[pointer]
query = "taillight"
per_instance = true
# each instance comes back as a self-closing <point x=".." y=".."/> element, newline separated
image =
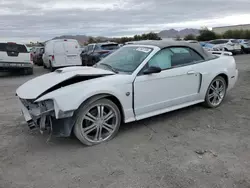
<point x="31" y="57"/>
<point x="53" y="57"/>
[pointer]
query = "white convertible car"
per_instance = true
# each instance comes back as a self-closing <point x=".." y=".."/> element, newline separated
<point x="135" y="82"/>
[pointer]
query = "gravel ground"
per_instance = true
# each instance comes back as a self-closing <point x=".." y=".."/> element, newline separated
<point x="192" y="147"/>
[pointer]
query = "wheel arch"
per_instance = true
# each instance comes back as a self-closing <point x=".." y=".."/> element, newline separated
<point x="109" y="96"/>
<point x="223" y="75"/>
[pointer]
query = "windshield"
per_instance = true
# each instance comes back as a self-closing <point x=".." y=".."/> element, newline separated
<point x="126" y="59"/>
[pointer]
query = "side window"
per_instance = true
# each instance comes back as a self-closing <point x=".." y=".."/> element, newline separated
<point x="90" y="48"/>
<point x="182" y="56"/>
<point x="162" y="59"/>
<point x="174" y="57"/>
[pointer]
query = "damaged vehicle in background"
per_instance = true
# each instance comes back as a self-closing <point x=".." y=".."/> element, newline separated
<point x="96" y="51"/>
<point x="135" y="82"/>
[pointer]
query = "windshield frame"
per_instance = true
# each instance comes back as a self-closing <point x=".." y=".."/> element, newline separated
<point x="154" y="49"/>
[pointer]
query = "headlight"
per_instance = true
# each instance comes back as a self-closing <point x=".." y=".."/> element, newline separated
<point x="47" y="104"/>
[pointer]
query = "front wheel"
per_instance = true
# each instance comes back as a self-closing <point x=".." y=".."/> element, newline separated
<point x="97" y="122"/>
<point x="216" y="92"/>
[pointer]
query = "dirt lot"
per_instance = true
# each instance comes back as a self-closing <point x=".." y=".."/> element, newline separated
<point x="156" y="152"/>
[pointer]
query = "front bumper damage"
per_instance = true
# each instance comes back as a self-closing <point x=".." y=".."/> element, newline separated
<point x="42" y="116"/>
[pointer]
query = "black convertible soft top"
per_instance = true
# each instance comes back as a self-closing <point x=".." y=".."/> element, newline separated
<point x="169" y="43"/>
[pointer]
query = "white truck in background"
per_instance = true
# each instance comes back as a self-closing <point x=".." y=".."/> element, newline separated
<point x="15" y="57"/>
<point x="61" y="53"/>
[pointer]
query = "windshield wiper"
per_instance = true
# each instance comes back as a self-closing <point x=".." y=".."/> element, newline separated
<point x="110" y="67"/>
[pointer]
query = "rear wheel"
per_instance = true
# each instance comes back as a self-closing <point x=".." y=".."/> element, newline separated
<point x="216" y="92"/>
<point x="51" y="68"/>
<point x="97" y="122"/>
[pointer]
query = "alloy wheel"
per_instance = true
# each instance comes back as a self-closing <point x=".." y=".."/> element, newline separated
<point x="99" y="123"/>
<point x="216" y="92"/>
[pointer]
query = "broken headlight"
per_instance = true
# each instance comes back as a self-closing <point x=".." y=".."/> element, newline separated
<point x="46" y="105"/>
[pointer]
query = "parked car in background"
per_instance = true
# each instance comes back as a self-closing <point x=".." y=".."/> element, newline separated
<point x="230" y="45"/>
<point x="192" y="41"/>
<point x="245" y="45"/>
<point x="38" y="56"/>
<point x="135" y="82"/>
<point x="32" y="52"/>
<point x="61" y="53"/>
<point x="15" y="57"/>
<point x="96" y="51"/>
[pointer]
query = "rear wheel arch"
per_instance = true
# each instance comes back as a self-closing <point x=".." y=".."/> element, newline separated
<point x="223" y="75"/>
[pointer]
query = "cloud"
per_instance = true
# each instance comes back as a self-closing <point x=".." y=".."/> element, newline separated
<point x="44" y="19"/>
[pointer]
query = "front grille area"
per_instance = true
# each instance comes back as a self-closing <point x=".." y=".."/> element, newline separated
<point x="33" y="109"/>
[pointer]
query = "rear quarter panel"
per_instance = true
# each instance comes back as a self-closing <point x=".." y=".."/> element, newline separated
<point x="212" y="68"/>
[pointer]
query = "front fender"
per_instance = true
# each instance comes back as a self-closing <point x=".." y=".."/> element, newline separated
<point x="70" y="98"/>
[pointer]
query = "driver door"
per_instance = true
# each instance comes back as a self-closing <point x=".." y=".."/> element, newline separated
<point x="176" y="84"/>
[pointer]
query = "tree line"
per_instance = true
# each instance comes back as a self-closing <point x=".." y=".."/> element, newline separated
<point x="122" y="40"/>
<point x="206" y="35"/>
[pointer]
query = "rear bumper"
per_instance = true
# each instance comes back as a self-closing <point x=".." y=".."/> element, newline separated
<point x="14" y="65"/>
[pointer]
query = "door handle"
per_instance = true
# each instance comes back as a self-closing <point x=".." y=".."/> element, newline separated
<point x="191" y="72"/>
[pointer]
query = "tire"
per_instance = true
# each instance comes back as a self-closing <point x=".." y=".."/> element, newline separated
<point x="220" y="95"/>
<point x="242" y="50"/>
<point x="51" y="68"/>
<point x="90" y="107"/>
<point x="28" y="71"/>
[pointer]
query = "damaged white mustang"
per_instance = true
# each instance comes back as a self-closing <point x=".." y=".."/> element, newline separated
<point x="135" y="82"/>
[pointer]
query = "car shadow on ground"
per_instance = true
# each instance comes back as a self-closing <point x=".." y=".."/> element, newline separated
<point x="11" y="74"/>
<point x="74" y="143"/>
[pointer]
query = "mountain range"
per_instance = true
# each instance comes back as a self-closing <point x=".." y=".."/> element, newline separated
<point x="171" y="33"/>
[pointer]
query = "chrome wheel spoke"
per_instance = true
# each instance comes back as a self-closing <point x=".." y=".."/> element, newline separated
<point x="211" y="95"/>
<point x="89" y="129"/>
<point x="221" y="89"/>
<point x="108" y="116"/>
<point x="108" y="127"/>
<point x="90" y="117"/>
<point x="217" y="84"/>
<point x="100" y="133"/>
<point x="98" y="111"/>
<point x="212" y="88"/>
<point x="97" y="134"/>
<point x="220" y="96"/>
<point x="214" y="100"/>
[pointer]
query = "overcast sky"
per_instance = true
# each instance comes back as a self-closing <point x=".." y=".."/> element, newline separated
<point x="26" y="20"/>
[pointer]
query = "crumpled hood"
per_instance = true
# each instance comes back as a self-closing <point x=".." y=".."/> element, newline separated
<point x="60" y="78"/>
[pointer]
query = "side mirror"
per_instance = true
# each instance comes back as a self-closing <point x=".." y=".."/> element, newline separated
<point x="152" y="70"/>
